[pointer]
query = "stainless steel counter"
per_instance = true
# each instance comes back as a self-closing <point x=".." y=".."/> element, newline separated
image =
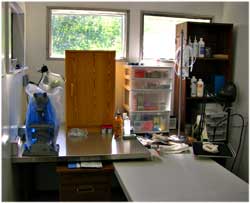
<point x="94" y="147"/>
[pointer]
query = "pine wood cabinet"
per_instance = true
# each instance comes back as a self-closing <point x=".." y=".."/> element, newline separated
<point x="90" y="89"/>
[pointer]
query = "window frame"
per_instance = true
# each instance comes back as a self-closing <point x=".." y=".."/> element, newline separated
<point x="165" y="14"/>
<point x="48" y="28"/>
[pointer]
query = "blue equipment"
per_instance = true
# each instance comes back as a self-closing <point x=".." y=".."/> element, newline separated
<point x="42" y="127"/>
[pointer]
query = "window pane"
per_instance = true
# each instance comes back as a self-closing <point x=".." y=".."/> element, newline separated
<point x="87" y="30"/>
<point x="159" y="36"/>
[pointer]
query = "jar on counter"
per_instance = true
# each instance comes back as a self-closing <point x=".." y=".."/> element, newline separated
<point x="118" y="125"/>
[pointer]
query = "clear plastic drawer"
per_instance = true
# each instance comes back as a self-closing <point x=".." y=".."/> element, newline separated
<point x="149" y="122"/>
<point x="145" y="83"/>
<point x="148" y="100"/>
<point x="148" y="72"/>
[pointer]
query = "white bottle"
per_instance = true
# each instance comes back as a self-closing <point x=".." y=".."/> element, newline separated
<point x="193" y="87"/>
<point x="201" y="48"/>
<point x="195" y="48"/>
<point x="200" y="88"/>
<point x="124" y="115"/>
<point x="126" y="126"/>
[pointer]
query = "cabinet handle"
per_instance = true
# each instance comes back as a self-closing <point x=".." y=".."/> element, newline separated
<point x="85" y="188"/>
<point x="71" y="89"/>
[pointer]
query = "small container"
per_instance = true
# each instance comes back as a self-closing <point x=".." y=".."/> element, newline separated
<point x="195" y="48"/>
<point x="118" y="125"/>
<point x="201" y="48"/>
<point x="103" y="131"/>
<point x="109" y="131"/>
<point x="193" y="87"/>
<point x="126" y="126"/>
<point x="200" y="88"/>
<point x="106" y="129"/>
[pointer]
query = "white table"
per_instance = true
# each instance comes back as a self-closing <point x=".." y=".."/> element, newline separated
<point x="179" y="177"/>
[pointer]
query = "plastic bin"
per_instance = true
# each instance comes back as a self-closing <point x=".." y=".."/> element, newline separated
<point x="150" y="122"/>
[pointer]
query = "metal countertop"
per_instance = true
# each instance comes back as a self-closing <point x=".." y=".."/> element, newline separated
<point x="94" y="147"/>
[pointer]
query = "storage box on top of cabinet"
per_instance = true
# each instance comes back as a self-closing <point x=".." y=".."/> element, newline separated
<point x="147" y="97"/>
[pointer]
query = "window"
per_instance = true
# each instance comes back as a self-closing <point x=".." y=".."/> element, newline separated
<point x="159" y="35"/>
<point x="77" y="29"/>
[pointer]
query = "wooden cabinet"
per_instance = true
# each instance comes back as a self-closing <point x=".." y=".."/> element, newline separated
<point x="218" y="37"/>
<point x="85" y="184"/>
<point x="90" y="89"/>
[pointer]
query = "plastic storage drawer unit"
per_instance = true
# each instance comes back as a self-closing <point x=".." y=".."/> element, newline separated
<point x="147" y="97"/>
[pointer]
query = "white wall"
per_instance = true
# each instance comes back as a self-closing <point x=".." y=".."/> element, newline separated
<point x="237" y="13"/>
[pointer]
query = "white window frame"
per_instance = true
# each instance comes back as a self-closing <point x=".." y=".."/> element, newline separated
<point x="48" y="31"/>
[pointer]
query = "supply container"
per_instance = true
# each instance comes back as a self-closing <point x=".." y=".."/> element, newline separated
<point x="195" y="48"/>
<point x="193" y="86"/>
<point x="106" y="129"/>
<point x="156" y="72"/>
<point x="149" y="83"/>
<point x="118" y="125"/>
<point x="126" y="126"/>
<point x="146" y="122"/>
<point x="201" y="48"/>
<point x="200" y="88"/>
<point x="150" y="100"/>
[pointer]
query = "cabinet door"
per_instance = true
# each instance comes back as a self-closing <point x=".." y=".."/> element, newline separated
<point x="90" y="89"/>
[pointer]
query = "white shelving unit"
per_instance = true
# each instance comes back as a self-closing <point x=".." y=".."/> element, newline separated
<point x="148" y="96"/>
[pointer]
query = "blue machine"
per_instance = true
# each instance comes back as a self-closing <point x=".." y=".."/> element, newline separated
<point x="42" y="126"/>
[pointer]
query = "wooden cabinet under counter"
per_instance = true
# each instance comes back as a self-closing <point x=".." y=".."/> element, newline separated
<point x="85" y="184"/>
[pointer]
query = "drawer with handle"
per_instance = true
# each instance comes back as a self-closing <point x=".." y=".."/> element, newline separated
<point x="85" y="192"/>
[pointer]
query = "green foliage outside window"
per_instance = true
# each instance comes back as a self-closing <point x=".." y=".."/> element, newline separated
<point x="86" y="32"/>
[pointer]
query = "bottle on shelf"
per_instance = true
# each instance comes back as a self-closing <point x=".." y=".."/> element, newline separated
<point x="190" y="42"/>
<point x="200" y="88"/>
<point x="118" y="125"/>
<point x="201" y="48"/>
<point x="193" y="86"/>
<point x="195" y="48"/>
